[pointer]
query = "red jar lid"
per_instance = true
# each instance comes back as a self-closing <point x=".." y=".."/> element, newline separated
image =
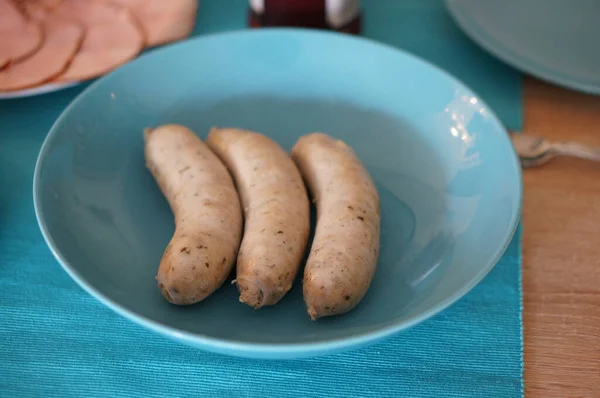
<point x="340" y="15"/>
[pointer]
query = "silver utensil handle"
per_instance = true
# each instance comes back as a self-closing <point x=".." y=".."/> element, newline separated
<point x="578" y="150"/>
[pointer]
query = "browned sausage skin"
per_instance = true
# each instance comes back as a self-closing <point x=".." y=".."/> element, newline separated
<point x="345" y="249"/>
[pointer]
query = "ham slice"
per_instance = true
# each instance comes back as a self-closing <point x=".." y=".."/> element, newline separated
<point x="36" y="4"/>
<point x="48" y="4"/>
<point x="62" y="38"/>
<point x="163" y="21"/>
<point x="112" y="37"/>
<point x="34" y="9"/>
<point x="19" y="37"/>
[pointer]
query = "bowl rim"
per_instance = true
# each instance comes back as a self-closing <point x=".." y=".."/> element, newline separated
<point x="274" y="350"/>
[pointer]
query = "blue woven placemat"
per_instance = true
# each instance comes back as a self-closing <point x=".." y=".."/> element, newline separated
<point x="57" y="341"/>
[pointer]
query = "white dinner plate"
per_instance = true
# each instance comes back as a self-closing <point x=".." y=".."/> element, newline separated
<point x="554" y="40"/>
<point x="39" y="90"/>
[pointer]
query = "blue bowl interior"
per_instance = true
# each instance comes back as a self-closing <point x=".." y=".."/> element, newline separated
<point x="448" y="179"/>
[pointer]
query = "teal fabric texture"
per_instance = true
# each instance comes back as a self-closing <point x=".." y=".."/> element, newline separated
<point x="58" y="341"/>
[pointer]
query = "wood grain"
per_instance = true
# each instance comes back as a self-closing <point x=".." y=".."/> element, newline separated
<point x="561" y="250"/>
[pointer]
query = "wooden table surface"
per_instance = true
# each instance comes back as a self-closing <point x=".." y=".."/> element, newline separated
<point x="561" y="250"/>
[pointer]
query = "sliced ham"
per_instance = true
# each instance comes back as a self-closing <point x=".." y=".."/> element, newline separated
<point x="36" y="5"/>
<point x="34" y="9"/>
<point x="48" y="4"/>
<point x="163" y="21"/>
<point x="19" y="37"/>
<point x="112" y="37"/>
<point x="3" y="62"/>
<point x="62" y="38"/>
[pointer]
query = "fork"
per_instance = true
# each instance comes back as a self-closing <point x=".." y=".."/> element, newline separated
<point x="536" y="151"/>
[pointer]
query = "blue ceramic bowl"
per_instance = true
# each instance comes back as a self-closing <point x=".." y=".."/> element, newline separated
<point x="449" y="181"/>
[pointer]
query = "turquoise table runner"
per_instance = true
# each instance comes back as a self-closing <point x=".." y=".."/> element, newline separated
<point x="57" y="341"/>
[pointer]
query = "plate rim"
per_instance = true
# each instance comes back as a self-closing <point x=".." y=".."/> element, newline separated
<point x="43" y="89"/>
<point x="273" y="350"/>
<point x="504" y="54"/>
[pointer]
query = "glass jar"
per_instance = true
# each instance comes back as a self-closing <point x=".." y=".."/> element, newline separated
<point x="339" y="15"/>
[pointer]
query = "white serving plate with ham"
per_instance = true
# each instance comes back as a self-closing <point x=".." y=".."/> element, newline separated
<point x="49" y="45"/>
